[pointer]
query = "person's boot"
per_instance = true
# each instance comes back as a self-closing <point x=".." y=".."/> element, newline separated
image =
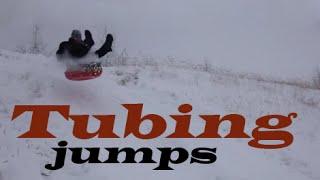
<point x="106" y="47"/>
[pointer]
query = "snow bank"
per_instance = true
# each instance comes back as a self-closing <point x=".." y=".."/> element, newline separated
<point x="35" y="79"/>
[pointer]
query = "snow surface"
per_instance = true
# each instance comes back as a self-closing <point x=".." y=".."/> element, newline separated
<point x="162" y="87"/>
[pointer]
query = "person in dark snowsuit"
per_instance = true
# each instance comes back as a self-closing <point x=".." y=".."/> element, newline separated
<point x="78" y="48"/>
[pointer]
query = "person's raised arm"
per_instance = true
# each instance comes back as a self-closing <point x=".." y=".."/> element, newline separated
<point x="88" y="38"/>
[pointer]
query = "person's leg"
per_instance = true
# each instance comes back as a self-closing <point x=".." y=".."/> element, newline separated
<point x="106" y="47"/>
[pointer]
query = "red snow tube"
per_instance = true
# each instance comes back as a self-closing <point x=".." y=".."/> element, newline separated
<point x="82" y="75"/>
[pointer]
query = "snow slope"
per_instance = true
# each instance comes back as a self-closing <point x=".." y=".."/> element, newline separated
<point x="35" y="79"/>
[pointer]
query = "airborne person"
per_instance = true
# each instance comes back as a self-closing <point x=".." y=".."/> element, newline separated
<point x="78" y="48"/>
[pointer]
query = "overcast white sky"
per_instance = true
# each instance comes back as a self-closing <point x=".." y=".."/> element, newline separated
<point x="246" y="35"/>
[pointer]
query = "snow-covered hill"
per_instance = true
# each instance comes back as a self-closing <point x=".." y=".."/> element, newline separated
<point x="36" y="79"/>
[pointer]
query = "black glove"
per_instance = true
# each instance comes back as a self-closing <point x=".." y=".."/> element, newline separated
<point x="87" y="34"/>
<point x="88" y="38"/>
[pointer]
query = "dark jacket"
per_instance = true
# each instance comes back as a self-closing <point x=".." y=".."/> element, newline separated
<point x="76" y="48"/>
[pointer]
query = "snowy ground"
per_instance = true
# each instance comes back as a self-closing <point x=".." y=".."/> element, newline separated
<point x="35" y="79"/>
